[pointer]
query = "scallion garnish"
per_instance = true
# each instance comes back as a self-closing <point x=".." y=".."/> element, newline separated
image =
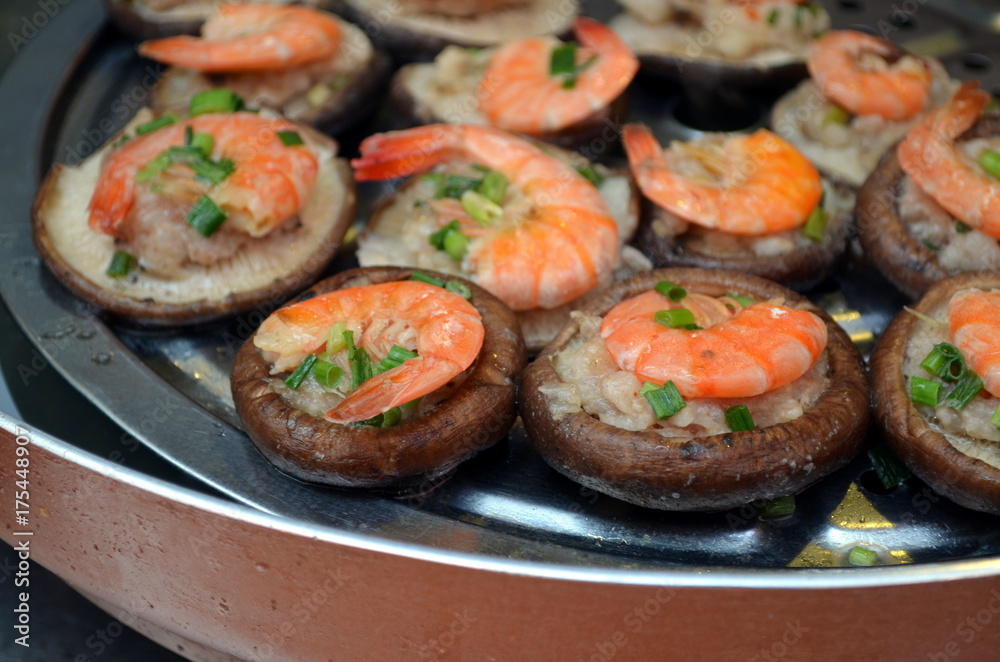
<point x="924" y="391"/>
<point x="219" y="100"/>
<point x="744" y="301"/>
<point x="121" y="265"/>
<point x="836" y="115"/>
<point x="776" y="508"/>
<point x="944" y="361"/>
<point x="204" y="143"/>
<point x="989" y="160"/>
<point x="591" y="175"/>
<point x="436" y="239"/>
<point x="891" y="473"/>
<point x="451" y="240"/>
<point x="815" y="226"/>
<point x="483" y="210"/>
<point x="397" y="355"/>
<point x="206" y="217"/>
<point x="327" y="374"/>
<point x="290" y="138"/>
<point x="562" y="63"/>
<point x="153" y="169"/>
<point x="335" y="341"/>
<point x="424" y="278"/>
<point x="386" y="419"/>
<point x="461" y="289"/>
<point x="361" y="362"/>
<point x="295" y="379"/>
<point x="962" y="228"/>
<point x="665" y="400"/>
<point x="862" y="557"/>
<point x="676" y="318"/>
<point x="995" y="419"/>
<point x="738" y="419"/>
<point x="213" y="172"/>
<point x="967" y="388"/>
<point x="672" y="291"/>
<point x="772" y="17"/>
<point x="158" y="123"/>
<point x="450" y="186"/>
<point x="493" y="187"/>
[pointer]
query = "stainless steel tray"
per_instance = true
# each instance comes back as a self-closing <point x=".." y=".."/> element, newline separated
<point x="170" y="389"/>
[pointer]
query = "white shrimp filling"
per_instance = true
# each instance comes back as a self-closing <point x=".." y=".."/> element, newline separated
<point x="957" y="248"/>
<point x="759" y="34"/>
<point x="592" y="382"/>
<point x="850" y="152"/>
<point x="178" y="265"/>
<point x="296" y="93"/>
<point x="717" y="243"/>
<point x="969" y="430"/>
<point x="447" y="88"/>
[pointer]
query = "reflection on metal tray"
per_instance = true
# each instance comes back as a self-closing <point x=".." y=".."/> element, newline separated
<point x="171" y="389"/>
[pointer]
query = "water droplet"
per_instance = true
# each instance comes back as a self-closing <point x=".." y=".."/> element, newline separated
<point x="102" y="358"/>
<point x="86" y="334"/>
<point x="262" y="567"/>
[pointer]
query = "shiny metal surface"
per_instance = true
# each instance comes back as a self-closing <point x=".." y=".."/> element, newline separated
<point x="504" y="511"/>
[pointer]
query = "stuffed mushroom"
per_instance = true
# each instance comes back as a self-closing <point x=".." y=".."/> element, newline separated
<point x="692" y="389"/>
<point x="380" y="378"/>
<point x="937" y="398"/>
<point x="187" y="220"/>
<point x="151" y="19"/>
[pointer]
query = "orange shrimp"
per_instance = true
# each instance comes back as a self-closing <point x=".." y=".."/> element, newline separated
<point x="444" y="329"/>
<point x="758" y="184"/>
<point x="974" y="326"/>
<point x="519" y="93"/>
<point x="269" y="184"/>
<point x="556" y="244"/>
<point x="930" y="156"/>
<point x="251" y="37"/>
<point x="736" y="354"/>
<point x="869" y="76"/>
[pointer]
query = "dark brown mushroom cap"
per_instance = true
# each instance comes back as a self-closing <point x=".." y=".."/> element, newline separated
<point x="140" y="24"/>
<point x="473" y="418"/>
<point x="719" y="74"/>
<point x="799" y="269"/>
<point x="901" y="257"/>
<point x="708" y="473"/>
<point x="965" y="480"/>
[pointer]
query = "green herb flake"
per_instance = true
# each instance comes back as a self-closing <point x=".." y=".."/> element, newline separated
<point x="676" y="318"/>
<point x="121" y="265"/>
<point x="295" y="380"/>
<point x="776" y="508"/>
<point x="158" y="123"/>
<point x="290" y="138"/>
<point x="206" y="217"/>
<point x="665" y="400"/>
<point x="738" y="419"/>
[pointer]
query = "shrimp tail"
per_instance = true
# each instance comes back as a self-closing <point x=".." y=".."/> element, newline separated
<point x="401" y="153"/>
<point x="642" y="146"/>
<point x="393" y="388"/>
<point x="110" y="204"/>
<point x="962" y="111"/>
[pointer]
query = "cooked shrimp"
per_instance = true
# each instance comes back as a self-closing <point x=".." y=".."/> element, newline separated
<point x="938" y="165"/>
<point x="869" y="76"/>
<point x="556" y="240"/>
<point x="974" y="325"/>
<point x="445" y="331"/>
<point x="748" y="185"/>
<point x="269" y="184"/>
<point x="736" y="354"/>
<point x="251" y="37"/>
<point x="519" y="93"/>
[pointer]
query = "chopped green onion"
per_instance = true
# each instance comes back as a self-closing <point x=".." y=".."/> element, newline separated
<point x="461" y="289"/>
<point x="944" y="361"/>
<point x="814" y="8"/>
<point x="391" y="417"/>
<point x="121" y="265"/>
<point x="591" y="175"/>
<point x="989" y="160"/>
<point x="861" y="556"/>
<point x="493" y="187"/>
<point x="738" y="419"/>
<point x="450" y="186"/>
<point x="397" y="355"/>
<point x="122" y="139"/>
<point x="295" y="379"/>
<point x="676" y="318"/>
<point x="962" y="228"/>
<point x="481" y="209"/>
<point x="206" y="217"/>
<point x="773" y="16"/>
<point x="563" y="59"/>
<point x="219" y="100"/>
<point x="158" y="123"/>
<point x="153" y="169"/>
<point x="424" y="278"/>
<point x="995" y="419"/>
<point x="665" y="401"/>
<point x="992" y="106"/>
<point x="815" y="227"/>
<point x="437" y="238"/>
<point x="204" y="143"/>
<point x="967" y="388"/>
<point x="930" y="245"/>
<point x="290" y="138"/>
<point x="335" y="341"/>
<point x="672" y="291"/>
<point x="361" y="362"/>
<point x="776" y="508"/>
<point x="798" y="16"/>
<point x="744" y="301"/>
<point x="891" y="473"/>
<point x="456" y="244"/>
<point x="213" y="172"/>
<point x="836" y="115"/>
<point x="924" y="391"/>
<point x="327" y="374"/>
<point x="188" y="134"/>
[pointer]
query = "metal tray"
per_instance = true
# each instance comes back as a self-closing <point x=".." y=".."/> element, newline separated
<point x="79" y="82"/>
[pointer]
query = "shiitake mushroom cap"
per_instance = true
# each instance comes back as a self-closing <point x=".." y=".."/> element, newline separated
<point x="707" y="473"/>
<point x="474" y="417"/>
<point x="966" y="480"/>
<point x="902" y="258"/>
